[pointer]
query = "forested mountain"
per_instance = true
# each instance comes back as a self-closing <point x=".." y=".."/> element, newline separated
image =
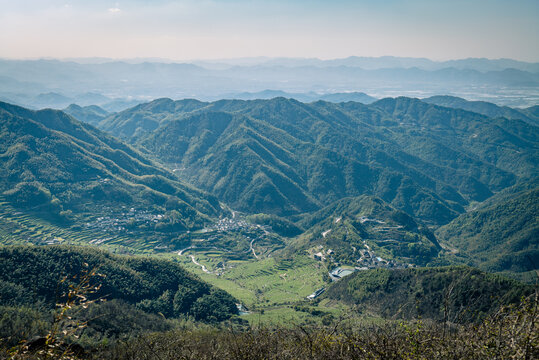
<point x="455" y="294"/>
<point x="139" y="293"/>
<point x="365" y="231"/>
<point x="501" y="235"/>
<point x="91" y="114"/>
<point x="285" y="157"/>
<point x="485" y="108"/>
<point x="146" y="117"/>
<point x="53" y="164"/>
<point x="259" y="166"/>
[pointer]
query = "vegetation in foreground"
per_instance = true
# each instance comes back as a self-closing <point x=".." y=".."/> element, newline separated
<point x="137" y="322"/>
<point x="458" y="294"/>
<point x="511" y="333"/>
<point x="143" y="294"/>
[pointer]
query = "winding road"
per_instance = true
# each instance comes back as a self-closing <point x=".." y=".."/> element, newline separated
<point x="252" y="249"/>
<point x="199" y="264"/>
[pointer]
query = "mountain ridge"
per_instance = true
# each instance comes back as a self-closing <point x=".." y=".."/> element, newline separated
<point x="446" y="154"/>
<point x="64" y="163"/>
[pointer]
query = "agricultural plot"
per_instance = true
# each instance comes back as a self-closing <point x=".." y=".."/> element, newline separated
<point x="21" y="228"/>
<point x="269" y="287"/>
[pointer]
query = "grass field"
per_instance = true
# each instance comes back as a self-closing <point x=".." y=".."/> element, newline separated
<point x="272" y="289"/>
<point x="266" y="281"/>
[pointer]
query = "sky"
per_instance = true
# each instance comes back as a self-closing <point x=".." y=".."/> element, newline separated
<point x="217" y="29"/>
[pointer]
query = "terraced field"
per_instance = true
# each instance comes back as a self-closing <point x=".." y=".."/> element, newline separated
<point x="276" y="286"/>
<point x="17" y="227"/>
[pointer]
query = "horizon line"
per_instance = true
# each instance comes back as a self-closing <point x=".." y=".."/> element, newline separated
<point x="260" y="57"/>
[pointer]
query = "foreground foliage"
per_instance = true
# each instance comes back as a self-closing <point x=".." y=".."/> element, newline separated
<point x="511" y="333"/>
<point x="457" y="293"/>
<point x="140" y="292"/>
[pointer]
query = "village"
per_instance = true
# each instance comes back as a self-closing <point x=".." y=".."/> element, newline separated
<point x="124" y="221"/>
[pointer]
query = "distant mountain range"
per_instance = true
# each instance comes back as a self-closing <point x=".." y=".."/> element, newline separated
<point x="55" y="100"/>
<point x="41" y="83"/>
<point x="305" y="97"/>
<point x="382" y="62"/>
<point x="530" y="114"/>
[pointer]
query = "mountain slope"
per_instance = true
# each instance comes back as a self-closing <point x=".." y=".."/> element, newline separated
<point x="484" y="108"/>
<point x="30" y="275"/>
<point x="285" y="157"/>
<point x="500" y="236"/>
<point x="455" y="294"/>
<point x="367" y="232"/>
<point x="91" y="114"/>
<point x="55" y="164"/>
<point x="509" y="145"/>
<point x="258" y="164"/>
<point x="146" y="117"/>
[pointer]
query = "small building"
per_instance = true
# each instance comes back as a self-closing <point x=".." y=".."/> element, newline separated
<point x="339" y="273"/>
<point x="316" y="294"/>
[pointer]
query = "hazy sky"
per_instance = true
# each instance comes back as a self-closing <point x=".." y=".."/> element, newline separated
<point x="201" y="29"/>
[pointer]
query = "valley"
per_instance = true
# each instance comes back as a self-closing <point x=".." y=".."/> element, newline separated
<point x="308" y="214"/>
<point x="277" y="180"/>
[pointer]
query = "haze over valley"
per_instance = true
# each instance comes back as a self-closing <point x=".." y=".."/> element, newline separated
<point x="116" y="85"/>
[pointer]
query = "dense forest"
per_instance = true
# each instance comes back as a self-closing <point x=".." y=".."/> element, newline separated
<point x="64" y="168"/>
<point x="455" y="294"/>
<point x="33" y="280"/>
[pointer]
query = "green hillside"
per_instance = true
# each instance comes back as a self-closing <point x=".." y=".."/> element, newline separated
<point x="366" y="232"/>
<point x="151" y="284"/>
<point x="67" y="171"/>
<point x="139" y="293"/>
<point x="454" y="294"/>
<point x="92" y="114"/>
<point x="146" y="117"/>
<point x="499" y="236"/>
<point x="508" y="145"/>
